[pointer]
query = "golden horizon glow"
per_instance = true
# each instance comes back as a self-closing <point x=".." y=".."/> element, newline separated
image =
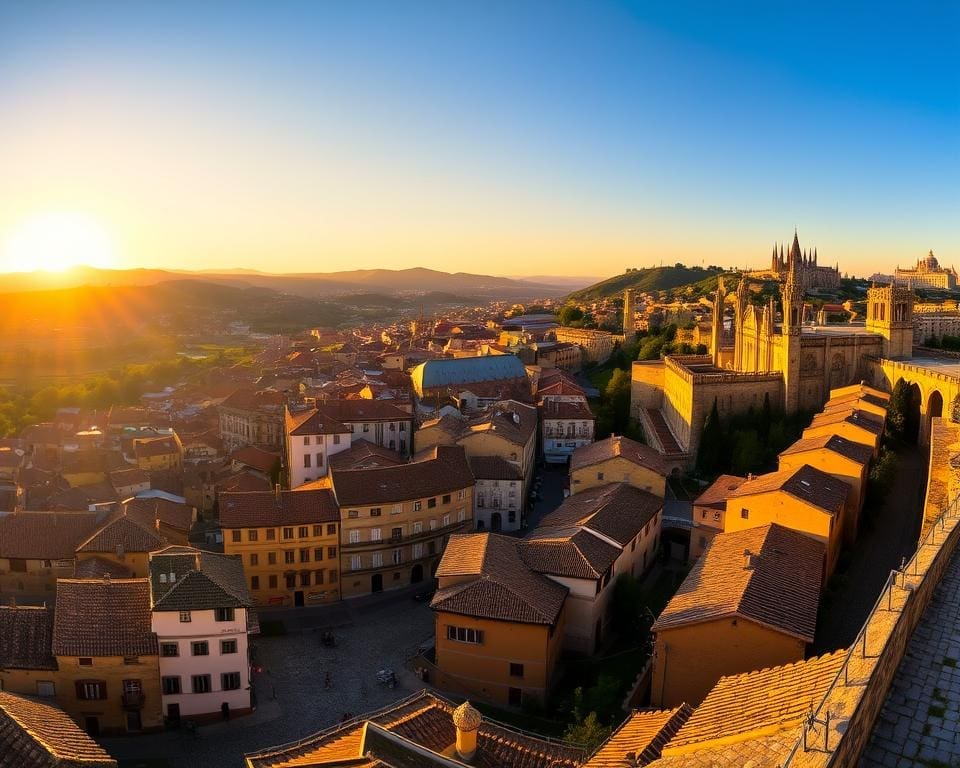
<point x="56" y="241"/>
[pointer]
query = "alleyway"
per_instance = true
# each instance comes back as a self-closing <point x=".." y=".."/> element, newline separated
<point x="880" y="548"/>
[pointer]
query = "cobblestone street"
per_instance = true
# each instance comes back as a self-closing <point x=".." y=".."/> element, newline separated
<point x="371" y="633"/>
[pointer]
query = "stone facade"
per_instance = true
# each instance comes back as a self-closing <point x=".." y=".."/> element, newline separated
<point x="927" y="274"/>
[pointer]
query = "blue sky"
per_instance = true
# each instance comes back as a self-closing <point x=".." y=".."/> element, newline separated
<point x="514" y="138"/>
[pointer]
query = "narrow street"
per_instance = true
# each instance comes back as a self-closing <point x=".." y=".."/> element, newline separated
<point x="881" y="546"/>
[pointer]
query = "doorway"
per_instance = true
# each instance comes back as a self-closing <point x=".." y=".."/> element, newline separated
<point x="92" y="726"/>
<point x="298" y="598"/>
<point x="376" y="583"/>
<point x="416" y="574"/>
<point x="173" y="714"/>
<point x="134" y="723"/>
<point x="496" y="522"/>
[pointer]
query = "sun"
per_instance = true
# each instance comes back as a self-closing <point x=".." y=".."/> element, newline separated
<point x="55" y="242"/>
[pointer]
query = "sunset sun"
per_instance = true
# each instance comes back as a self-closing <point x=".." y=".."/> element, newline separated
<point x="55" y="242"/>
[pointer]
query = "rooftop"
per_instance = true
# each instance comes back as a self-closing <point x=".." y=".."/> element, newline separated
<point x="109" y="617"/>
<point x="259" y="509"/>
<point x="618" y="446"/>
<point x="806" y="483"/>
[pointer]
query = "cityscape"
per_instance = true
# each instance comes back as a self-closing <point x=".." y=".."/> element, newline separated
<point x="414" y="385"/>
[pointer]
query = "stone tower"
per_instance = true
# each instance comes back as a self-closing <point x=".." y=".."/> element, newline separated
<point x="629" y="324"/>
<point x="739" y="313"/>
<point x="792" y="300"/>
<point x="716" y="330"/>
<point x="890" y="314"/>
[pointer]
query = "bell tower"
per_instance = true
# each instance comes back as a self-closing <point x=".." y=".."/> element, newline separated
<point x="890" y="315"/>
<point x="716" y="331"/>
<point x="792" y="300"/>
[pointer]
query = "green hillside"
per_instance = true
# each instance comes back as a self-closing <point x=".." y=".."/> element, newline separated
<point x="645" y="280"/>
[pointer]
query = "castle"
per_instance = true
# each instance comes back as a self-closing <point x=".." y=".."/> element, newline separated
<point x="758" y="355"/>
<point x="928" y="274"/>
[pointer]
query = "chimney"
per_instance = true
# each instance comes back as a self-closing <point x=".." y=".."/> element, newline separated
<point x="749" y="560"/>
<point x="156" y="524"/>
<point x="196" y="562"/>
<point x="467" y="721"/>
<point x="276" y="490"/>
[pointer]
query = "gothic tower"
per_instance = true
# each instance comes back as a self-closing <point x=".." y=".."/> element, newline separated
<point x="890" y="314"/>
<point x="716" y="331"/>
<point x="792" y="300"/>
<point x="629" y="325"/>
<point x="739" y="314"/>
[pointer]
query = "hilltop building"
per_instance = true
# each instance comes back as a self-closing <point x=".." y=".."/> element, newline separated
<point x="927" y="274"/>
<point x="802" y="264"/>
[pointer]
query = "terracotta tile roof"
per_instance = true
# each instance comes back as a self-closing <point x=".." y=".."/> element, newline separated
<point x="618" y="446"/>
<point x="110" y="617"/>
<point x="868" y="421"/>
<point x="98" y="567"/>
<point x="267" y="508"/>
<point x="618" y="511"/>
<point x="245" y="399"/>
<point x="717" y="493"/>
<point x="504" y="587"/>
<point x="857" y="452"/>
<point x="123" y="534"/>
<point x="426" y="720"/>
<point x="562" y="409"/>
<point x="38" y="735"/>
<point x="807" y="483"/>
<point x="256" y="458"/>
<point x="779" y="589"/>
<point x="201" y="580"/>
<point x="494" y="468"/>
<point x="854" y="398"/>
<point x="642" y="734"/>
<point x="123" y="477"/>
<point x="448" y="423"/>
<point x="26" y="638"/>
<point x="572" y="552"/>
<point x="554" y="382"/>
<point x="313" y="422"/>
<point x="440" y="470"/>
<point x="761" y="751"/>
<point x="775" y="698"/>
<point x="362" y="454"/>
<point x="243" y="481"/>
<point x="147" y="510"/>
<point x="45" y="535"/>
<point x="332" y="416"/>
<point x="509" y="419"/>
<point x="158" y="446"/>
<point x="860" y="389"/>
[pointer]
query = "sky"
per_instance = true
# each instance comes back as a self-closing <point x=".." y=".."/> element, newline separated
<point x="498" y="137"/>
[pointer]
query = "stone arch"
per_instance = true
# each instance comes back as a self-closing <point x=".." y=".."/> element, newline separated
<point x="934" y="407"/>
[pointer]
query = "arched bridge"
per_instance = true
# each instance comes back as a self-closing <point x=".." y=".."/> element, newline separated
<point x="936" y="383"/>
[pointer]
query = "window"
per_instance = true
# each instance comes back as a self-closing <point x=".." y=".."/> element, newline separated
<point x="169" y="649"/>
<point x="377" y="559"/>
<point x="201" y="683"/>
<point x="230" y="681"/>
<point x="318" y="577"/>
<point x="171" y="685"/>
<point x="252" y="534"/>
<point x="223" y="614"/>
<point x="319" y="459"/>
<point x="272" y="581"/>
<point x="745" y="513"/>
<point x="374" y="534"/>
<point x="353" y="536"/>
<point x="271" y="534"/>
<point x="199" y="648"/>
<point x="433" y="525"/>
<point x="304" y="578"/>
<point x="716" y="516"/>
<point x="303" y="532"/>
<point x="418" y="527"/>
<point x="514" y="697"/>
<point x="254" y="558"/>
<point x="46" y="688"/>
<point x="461" y="515"/>
<point x="431" y="503"/>
<point x="331" y="552"/>
<point x="432" y="547"/>
<point x="306" y="439"/>
<point x="332" y="529"/>
<point x="465" y="635"/>
<point x="356" y="562"/>
<point x="18" y="565"/>
<point x="417" y="551"/>
<point x="366" y="427"/>
<point x="403" y="426"/>
<point x="397" y="556"/>
<point x="291" y="580"/>
<point x="336" y="439"/>
<point x="271" y="558"/>
<point x="235" y="536"/>
<point x="254" y="582"/>
<point x="288" y="533"/>
<point x="446" y="520"/>
<point x="185" y="617"/>
<point x="289" y="556"/>
<point x="461" y="495"/>
<point x="305" y="555"/>
<point x="599" y="475"/>
<point x="375" y="512"/>
<point x="446" y="498"/>
<point x="318" y="553"/>
<point x="91" y="690"/>
<point x="353" y="514"/>
<point x="396" y="534"/>
<point x="417" y="506"/>
<point x="306" y="461"/>
<point x="516" y="670"/>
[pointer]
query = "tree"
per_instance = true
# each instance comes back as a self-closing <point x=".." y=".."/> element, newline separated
<point x="586" y="731"/>
<point x="569" y="314"/>
<point x="748" y="453"/>
<point x="709" y="456"/>
<point x="903" y="415"/>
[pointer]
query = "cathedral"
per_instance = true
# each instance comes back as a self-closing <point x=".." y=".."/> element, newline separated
<point x="760" y="353"/>
<point x="802" y="264"/>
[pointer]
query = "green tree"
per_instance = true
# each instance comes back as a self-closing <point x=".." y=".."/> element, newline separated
<point x="903" y="415"/>
<point x="748" y="452"/>
<point x="587" y="731"/>
<point x="569" y="314"/>
<point x="710" y="453"/>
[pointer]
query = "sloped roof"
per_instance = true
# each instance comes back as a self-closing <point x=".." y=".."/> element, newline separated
<point x="494" y="468"/>
<point x="26" y="638"/>
<point x="509" y="419"/>
<point x="780" y="589"/>
<point x="465" y="371"/>
<point x="838" y="444"/>
<point x="37" y="735"/>
<point x="806" y="483"/>
<point x="504" y="587"/>
<point x="201" y="580"/>
<point x="717" y="493"/>
<point x="147" y="510"/>
<point x="44" y="535"/>
<point x="125" y="534"/>
<point x="98" y="567"/>
<point x="767" y="700"/>
<point x="643" y="733"/>
<point x="863" y="419"/>
<point x="565" y="409"/>
<point x="572" y="552"/>
<point x="618" y="511"/>
<point x="252" y="509"/>
<point x="442" y="469"/>
<point x="618" y="446"/>
<point x="110" y="617"/>
<point x="362" y="454"/>
<point x="256" y="458"/>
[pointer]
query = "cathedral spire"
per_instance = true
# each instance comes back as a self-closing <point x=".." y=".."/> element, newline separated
<point x="795" y="255"/>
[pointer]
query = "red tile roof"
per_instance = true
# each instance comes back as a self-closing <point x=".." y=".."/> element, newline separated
<point x="267" y="508"/>
<point x="614" y="447"/>
<point x="109" y="617"/>
<point x="45" y="535"/>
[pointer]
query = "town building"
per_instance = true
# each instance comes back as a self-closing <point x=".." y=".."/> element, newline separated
<point x="585" y="544"/>
<point x="201" y="615"/>
<point x="172" y="520"/>
<point x="749" y="602"/>
<point x="499" y="624"/>
<point x="927" y="274"/>
<point x="804" y="499"/>
<point x="498" y="494"/>
<point x="849" y="422"/>
<point x="565" y="425"/>
<point x="157" y="454"/>
<point x="288" y="542"/>
<point x="250" y="417"/>
<point x="34" y="734"/>
<point x="315" y="435"/>
<point x="129" y="482"/>
<point x="27" y="665"/>
<point x="618" y="459"/>
<point x="124" y="541"/>
<point x="107" y="655"/>
<point x="395" y="521"/>
<point x="473" y="381"/>
<point x="709" y="511"/>
<point x="597" y="346"/>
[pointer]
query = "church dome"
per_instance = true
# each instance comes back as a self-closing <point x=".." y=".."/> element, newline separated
<point x="466" y="718"/>
<point x="931" y="262"/>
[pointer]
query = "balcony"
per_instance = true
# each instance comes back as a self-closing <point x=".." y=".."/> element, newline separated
<point x="133" y="699"/>
<point x="393" y="541"/>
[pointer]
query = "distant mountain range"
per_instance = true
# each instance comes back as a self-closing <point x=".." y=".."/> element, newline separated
<point x="645" y="280"/>
<point x="413" y="281"/>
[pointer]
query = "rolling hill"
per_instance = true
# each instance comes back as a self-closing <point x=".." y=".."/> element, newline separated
<point x="644" y="280"/>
